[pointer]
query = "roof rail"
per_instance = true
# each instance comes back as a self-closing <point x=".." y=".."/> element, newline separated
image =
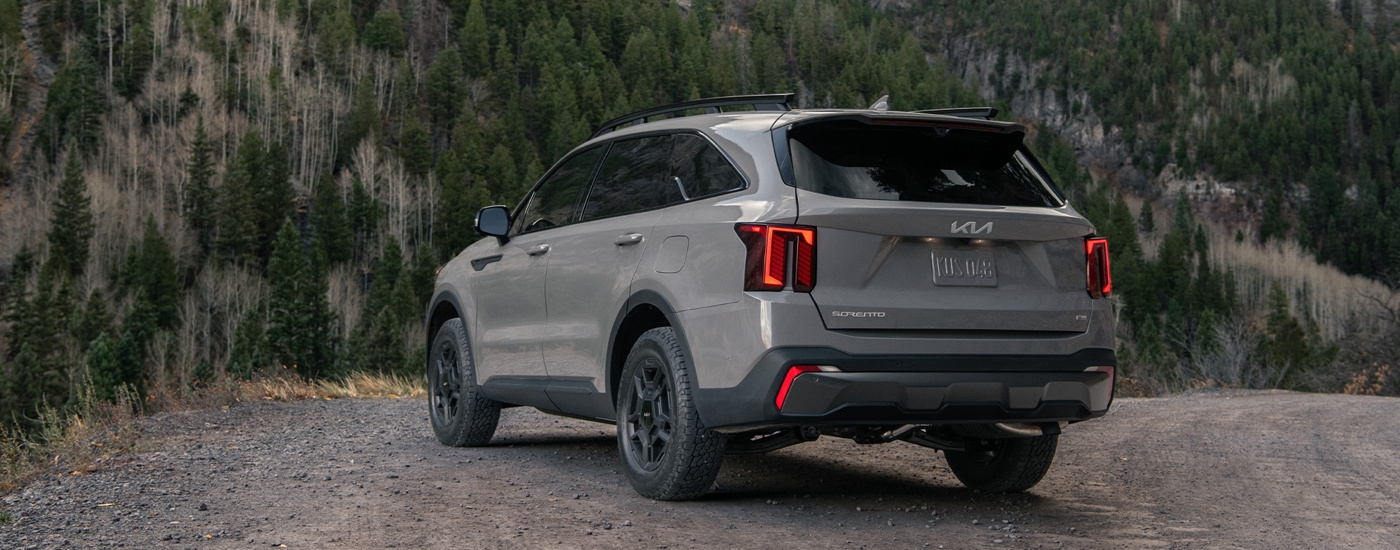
<point x="984" y="113"/>
<point x="763" y="102"/>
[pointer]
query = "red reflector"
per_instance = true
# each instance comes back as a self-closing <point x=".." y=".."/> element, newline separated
<point x="771" y="249"/>
<point x="1100" y="275"/>
<point x="792" y="373"/>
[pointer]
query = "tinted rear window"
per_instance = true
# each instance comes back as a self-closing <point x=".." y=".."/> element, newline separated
<point x="925" y="164"/>
<point x="632" y="179"/>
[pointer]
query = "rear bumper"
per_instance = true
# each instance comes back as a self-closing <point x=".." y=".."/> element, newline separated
<point x="914" y="389"/>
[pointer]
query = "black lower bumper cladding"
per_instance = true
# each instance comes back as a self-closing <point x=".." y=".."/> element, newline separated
<point x="926" y="389"/>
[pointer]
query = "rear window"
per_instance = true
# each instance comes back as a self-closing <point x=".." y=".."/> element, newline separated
<point x="632" y="179"/>
<point x="916" y="163"/>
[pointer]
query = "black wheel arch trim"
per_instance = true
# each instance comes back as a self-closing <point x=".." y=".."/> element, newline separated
<point x="431" y="320"/>
<point x="656" y="300"/>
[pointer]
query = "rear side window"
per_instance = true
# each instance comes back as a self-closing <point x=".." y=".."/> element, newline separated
<point x="632" y="179"/>
<point x="916" y="163"/>
<point x="553" y="202"/>
<point x="702" y="169"/>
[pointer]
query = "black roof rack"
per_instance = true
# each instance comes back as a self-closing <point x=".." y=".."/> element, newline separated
<point x="763" y="102"/>
<point x="984" y="113"/>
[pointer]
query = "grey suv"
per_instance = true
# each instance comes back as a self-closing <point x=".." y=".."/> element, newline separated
<point x="736" y="282"/>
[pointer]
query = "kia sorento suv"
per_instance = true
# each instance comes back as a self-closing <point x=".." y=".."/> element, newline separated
<point x="730" y="275"/>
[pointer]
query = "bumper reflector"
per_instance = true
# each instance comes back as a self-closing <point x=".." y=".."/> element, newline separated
<point x="792" y="373"/>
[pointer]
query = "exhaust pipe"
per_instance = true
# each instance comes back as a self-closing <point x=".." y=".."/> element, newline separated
<point x="1007" y="430"/>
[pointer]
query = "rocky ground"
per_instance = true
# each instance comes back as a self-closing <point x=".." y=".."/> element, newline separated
<point x="1207" y="469"/>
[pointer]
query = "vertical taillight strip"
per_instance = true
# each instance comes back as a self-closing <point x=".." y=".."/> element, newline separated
<point x="766" y="266"/>
<point x="1097" y="265"/>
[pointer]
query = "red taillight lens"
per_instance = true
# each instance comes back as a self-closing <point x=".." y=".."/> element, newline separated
<point x="792" y="373"/>
<point x="772" y="248"/>
<point x="1100" y="277"/>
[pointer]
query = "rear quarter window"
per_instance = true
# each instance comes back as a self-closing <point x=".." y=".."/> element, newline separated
<point x="917" y="163"/>
<point x="701" y="168"/>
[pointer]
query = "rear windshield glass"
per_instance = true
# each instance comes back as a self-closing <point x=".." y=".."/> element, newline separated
<point x="910" y="163"/>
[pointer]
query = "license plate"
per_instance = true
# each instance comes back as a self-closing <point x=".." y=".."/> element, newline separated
<point x="964" y="268"/>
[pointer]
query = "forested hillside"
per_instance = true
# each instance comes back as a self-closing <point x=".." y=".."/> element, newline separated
<point x="1292" y="104"/>
<point x="197" y="191"/>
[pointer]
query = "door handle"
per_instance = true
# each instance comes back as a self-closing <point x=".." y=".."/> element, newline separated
<point x="628" y="239"/>
<point x="537" y="249"/>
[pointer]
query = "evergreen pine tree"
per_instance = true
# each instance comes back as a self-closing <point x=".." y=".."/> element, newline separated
<point x="1147" y="220"/>
<point x="385" y="32"/>
<point x="414" y="148"/>
<point x="37" y="338"/>
<point x="475" y="40"/>
<point x="150" y="268"/>
<point x="236" y="239"/>
<point x="199" y="191"/>
<point x="364" y="218"/>
<point x="443" y="90"/>
<point x="273" y="194"/>
<point x="329" y="223"/>
<point x="363" y="122"/>
<point x="502" y="175"/>
<point x="336" y="38"/>
<point x="298" y="317"/>
<point x="74" y="105"/>
<point x="137" y="330"/>
<point x="104" y="367"/>
<point x="249" y="350"/>
<point x="10" y="35"/>
<point x="70" y="231"/>
<point x="95" y="321"/>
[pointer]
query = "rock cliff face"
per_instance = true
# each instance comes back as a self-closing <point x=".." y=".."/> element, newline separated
<point x="1000" y="74"/>
<point x="1373" y="13"/>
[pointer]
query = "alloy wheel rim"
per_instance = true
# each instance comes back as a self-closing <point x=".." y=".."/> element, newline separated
<point x="446" y="386"/>
<point x="649" y="416"/>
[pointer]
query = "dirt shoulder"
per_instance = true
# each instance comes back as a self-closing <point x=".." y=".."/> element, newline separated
<point x="1209" y="469"/>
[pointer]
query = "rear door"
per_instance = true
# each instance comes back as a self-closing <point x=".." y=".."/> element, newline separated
<point x="592" y="263"/>
<point x="937" y="227"/>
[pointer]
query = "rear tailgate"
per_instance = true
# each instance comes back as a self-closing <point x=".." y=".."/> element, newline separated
<point x="937" y="228"/>
<point x="900" y="266"/>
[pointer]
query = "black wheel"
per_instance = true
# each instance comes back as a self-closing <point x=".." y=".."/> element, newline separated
<point x="461" y="416"/>
<point x="667" y="453"/>
<point x="1005" y="465"/>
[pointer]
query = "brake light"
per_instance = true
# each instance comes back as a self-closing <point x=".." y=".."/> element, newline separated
<point x="1100" y="276"/>
<point x="772" y="249"/>
<point x="792" y="373"/>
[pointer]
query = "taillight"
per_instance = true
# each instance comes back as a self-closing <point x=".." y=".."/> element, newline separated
<point x="1100" y="277"/>
<point x="775" y="248"/>
<point x="792" y="374"/>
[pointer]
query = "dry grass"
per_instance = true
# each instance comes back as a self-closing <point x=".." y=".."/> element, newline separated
<point x="360" y="384"/>
<point x="70" y="443"/>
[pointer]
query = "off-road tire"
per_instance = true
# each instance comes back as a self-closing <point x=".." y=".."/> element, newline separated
<point x="461" y="417"/>
<point x="1013" y="466"/>
<point x="689" y="462"/>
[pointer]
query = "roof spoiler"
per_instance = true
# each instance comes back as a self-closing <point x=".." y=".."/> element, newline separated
<point x="763" y="102"/>
<point x="984" y="113"/>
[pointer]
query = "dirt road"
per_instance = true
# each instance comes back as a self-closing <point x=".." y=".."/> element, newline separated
<point x="1209" y="469"/>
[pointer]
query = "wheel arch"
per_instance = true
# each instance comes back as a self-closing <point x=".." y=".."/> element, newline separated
<point x="444" y="306"/>
<point x="644" y="310"/>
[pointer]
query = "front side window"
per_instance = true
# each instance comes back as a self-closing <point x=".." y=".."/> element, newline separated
<point x="702" y="169"/>
<point x="917" y="163"/>
<point x="552" y="203"/>
<point x="632" y="179"/>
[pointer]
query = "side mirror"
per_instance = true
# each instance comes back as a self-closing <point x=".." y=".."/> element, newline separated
<point x="494" y="221"/>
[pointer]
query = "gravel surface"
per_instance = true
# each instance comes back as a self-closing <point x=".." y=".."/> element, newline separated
<point x="1205" y="469"/>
